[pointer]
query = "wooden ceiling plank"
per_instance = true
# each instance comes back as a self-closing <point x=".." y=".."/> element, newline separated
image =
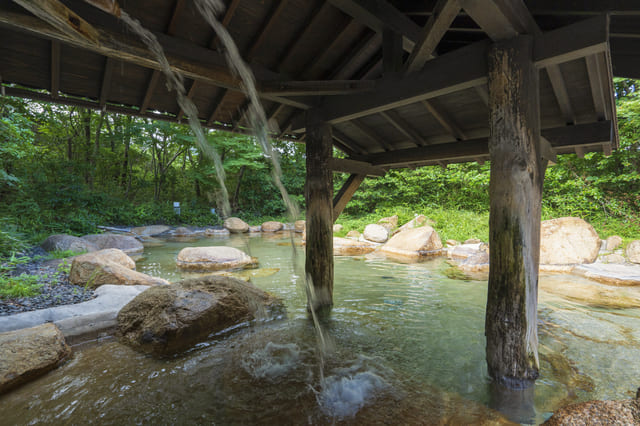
<point x="373" y="71"/>
<point x="483" y="93"/>
<point x="316" y="87"/>
<point x="437" y="25"/>
<point x="309" y="24"/>
<point x="274" y="14"/>
<point x="55" y="68"/>
<point x="369" y="133"/>
<point x="392" y="51"/>
<point x="346" y="140"/>
<point x="404" y="127"/>
<point x="177" y="10"/>
<point x="593" y="70"/>
<point x="310" y="69"/>
<point x="562" y="96"/>
<point x="365" y="47"/>
<point x="444" y="119"/>
<point x="379" y="15"/>
<point x="106" y="81"/>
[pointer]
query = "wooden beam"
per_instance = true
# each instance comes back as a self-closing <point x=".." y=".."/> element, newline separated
<point x="489" y="17"/>
<point x="483" y="93"/>
<point x="348" y="142"/>
<point x="595" y="81"/>
<point x="363" y="49"/>
<point x="345" y="194"/>
<point x="106" y="81"/>
<point x="444" y="119"/>
<point x="62" y="18"/>
<point x="559" y="137"/>
<point x="437" y="25"/>
<point x="310" y="70"/>
<point x="190" y="60"/>
<point x="346" y="165"/>
<point x="404" y="127"/>
<point x="317" y="87"/>
<point x="391" y="51"/>
<point x="380" y="15"/>
<point x="319" y="201"/>
<point x="561" y="94"/>
<point x="462" y="69"/>
<point x="270" y="21"/>
<point x="55" y="68"/>
<point x="177" y="10"/>
<point x="515" y="193"/>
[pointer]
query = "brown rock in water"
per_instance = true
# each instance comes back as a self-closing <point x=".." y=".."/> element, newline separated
<point x="414" y="243"/>
<point x="236" y="225"/>
<point x="170" y="319"/>
<point x="272" y="226"/>
<point x="633" y="251"/>
<point x="568" y="240"/>
<point x="348" y="247"/>
<point x="623" y="412"/>
<point x="150" y="231"/>
<point x="29" y="353"/>
<point x="214" y="258"/>
<point x="63" y="242"/>
<point x="299" y="225"/>
<point x="123" y="242"/>
<point x="110" y="266"/>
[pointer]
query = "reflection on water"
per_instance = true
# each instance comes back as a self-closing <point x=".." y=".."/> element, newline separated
<point x="408" y="349"/>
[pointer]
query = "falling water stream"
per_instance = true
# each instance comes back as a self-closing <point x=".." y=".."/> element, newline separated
<point x="258" y="123"/>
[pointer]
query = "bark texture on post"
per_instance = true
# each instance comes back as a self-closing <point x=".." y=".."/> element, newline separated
<point x="319" y="198"/>
<point x="515" y="189"/>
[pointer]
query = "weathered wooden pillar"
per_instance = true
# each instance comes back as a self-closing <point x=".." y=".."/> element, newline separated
<point x="515" y="189"/>
<point x="319" y="198"/>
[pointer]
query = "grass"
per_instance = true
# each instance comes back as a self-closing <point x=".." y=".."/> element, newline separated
<point x="23" y="285"/>
<point x="63" y="254"/>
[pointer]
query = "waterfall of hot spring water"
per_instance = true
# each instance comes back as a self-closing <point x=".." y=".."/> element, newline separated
<point x="258" y="123"/>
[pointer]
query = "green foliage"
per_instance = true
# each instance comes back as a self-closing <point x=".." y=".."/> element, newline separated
<point x="63" y="254"/>
<point x="21" y="286"/>
<point x="11" y="241"/>
<point x="64" y="267"/>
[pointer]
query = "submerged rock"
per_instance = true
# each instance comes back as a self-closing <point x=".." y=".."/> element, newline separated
<point x="170" y="319"/>
<point x="182" y="232"/>
<point x="568" y="240"/>
<point x="123" y="242"/>
<point x="349" y="247"/>
<point x="63" y="242"/>
<point x="29" y="353"/>
<point x="211" y="232"/>
<point x="376" y="233"/>
<point x="272" y="226"/>
<point x="623" y="412"/>
<point x="214" y="258"/>
<point x="110" y="266"/>
<point x="611" y="274"/>
<point x="414" y="243"/>
<point x="236" y="225"/>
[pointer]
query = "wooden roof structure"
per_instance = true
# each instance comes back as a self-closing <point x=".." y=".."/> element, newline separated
<point x="402" y="82"/>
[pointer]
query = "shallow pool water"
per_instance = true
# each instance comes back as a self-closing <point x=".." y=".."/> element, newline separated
<point x="407" y="347"/>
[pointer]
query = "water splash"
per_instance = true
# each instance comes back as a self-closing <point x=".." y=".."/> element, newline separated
<point x="273" y="361"/>
<point x="175" y="82"/>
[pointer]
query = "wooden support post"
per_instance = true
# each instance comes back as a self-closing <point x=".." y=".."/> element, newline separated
<point x="346" y="192"/>
<point x="319" y="198"/>
<point x="515" y="190"/>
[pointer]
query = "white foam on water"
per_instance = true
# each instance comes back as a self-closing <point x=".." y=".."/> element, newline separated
<point x="273" y="361"/>
<point x="342" y="397"/>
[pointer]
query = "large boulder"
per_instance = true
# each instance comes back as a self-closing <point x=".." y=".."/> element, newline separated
<point x="568" y="240"/>
<point x="272" y="226"/>
<point x="299" y="225"/>
<point x="63" y="242"/>
<point x="376" y="233"/>
<point x="633" y="251"/>
<point x="236" y="225"/>
<point x="349" y="247"/>
<point x="110" y="266"/>
<point x="414" y="243"/>
<point x="125" y="243"/>
<point x="30" y="352"/>
<point x="623" y="412"/>
<point x="214" y="258"/>
<point x="150" y="231"/>
<point x="169" y="319"/>
<point x="416" y="222"/>
<point x="613" y="242"/>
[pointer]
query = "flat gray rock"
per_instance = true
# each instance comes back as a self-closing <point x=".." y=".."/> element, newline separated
<point x="612" y="274"/>
<point x="70" y="318"/>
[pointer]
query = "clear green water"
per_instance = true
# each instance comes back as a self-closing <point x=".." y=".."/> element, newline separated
<point x="408" y="348"/>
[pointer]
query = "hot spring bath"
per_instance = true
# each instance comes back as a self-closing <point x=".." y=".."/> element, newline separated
<point x="407" y="347"/>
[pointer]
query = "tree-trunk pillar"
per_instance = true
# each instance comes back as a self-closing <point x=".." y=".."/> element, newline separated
<point x="319" y="227"/>
<point x="515" y="189"/>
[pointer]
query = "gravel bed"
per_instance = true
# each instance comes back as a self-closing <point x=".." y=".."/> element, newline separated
<point x="56" y="289"/>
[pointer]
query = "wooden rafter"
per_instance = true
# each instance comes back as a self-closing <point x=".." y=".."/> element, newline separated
<point x="363" y="50"/>
<point x="348" y="142"/>
<point x="346" y="165"/>
<point x="391" y="51"/>
<point x="445" y="120"/>
<point x="404" y="127"/>
<point x="310" y="69"/>
<point x="437" y="25"/>
<point x="373" y="136"/>
<point x="153" y="83"/>
<point x="345" y="194"/>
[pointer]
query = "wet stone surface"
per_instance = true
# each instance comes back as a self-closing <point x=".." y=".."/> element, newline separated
<point x="56" y="289"/>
